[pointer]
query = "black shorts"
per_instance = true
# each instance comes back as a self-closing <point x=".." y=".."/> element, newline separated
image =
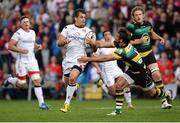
<point x="141" y="78"/>
<point x="149" y="59"/>
<point x="74" y="67"/>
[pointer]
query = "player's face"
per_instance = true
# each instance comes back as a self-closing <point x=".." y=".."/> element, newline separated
<point x="25" y="23"/>
<point x="119" y="40"/>
<point x="80" y="20"/>
<point x="138" y="16"/>
<point x="107" y="36"/>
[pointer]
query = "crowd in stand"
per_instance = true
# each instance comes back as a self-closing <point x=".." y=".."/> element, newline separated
<point x="48" y="17"/>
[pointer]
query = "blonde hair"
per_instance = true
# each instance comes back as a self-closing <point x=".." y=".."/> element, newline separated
<point x="137" y="8"/>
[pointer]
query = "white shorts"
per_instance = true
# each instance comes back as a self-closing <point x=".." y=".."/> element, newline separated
<point x="110" y="76"/>
<point x="22" y="69"/>
<point x="67" y="66"/>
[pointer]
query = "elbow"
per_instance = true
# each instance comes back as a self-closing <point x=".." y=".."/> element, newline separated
<point x="9" y="47"/>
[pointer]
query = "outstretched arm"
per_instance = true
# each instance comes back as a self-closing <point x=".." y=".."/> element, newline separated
<point x="99" y="44"/>
<point x="101" y="58"/>
<point x="155" y="36"/>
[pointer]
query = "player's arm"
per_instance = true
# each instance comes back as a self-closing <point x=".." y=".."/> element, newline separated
<point x="99" y="44"/>
<point x="62" y="40"/>
<point x="37" y="46"/>
<point x="139" y="41"/>
<point x="130" y="28"/>
<point x="101" y="58"/>
<point x="155" y="36"/>
<point x="96" y="65"/>
<point x="12" y="46"/>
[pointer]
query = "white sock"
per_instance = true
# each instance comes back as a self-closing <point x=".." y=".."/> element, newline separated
<point x="12" y="80"/>
<point x="127" y="95"/>
<point x="39" y="94"/>
<point x="69" y="93"/>
<point x="105" y="89"/>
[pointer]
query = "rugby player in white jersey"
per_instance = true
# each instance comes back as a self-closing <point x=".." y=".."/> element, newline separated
<point x="110" y="71"/>
<point x="72" y="38"/>
<point x="23" y="44"/>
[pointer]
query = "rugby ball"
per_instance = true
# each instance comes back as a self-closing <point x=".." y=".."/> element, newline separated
<point x="91" y="35"/>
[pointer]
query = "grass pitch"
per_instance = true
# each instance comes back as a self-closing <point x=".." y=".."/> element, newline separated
<point x="87" y="111"/>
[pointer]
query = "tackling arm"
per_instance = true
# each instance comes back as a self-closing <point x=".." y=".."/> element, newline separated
<point x="101" y="58"/>
<point x="99" y="44"/>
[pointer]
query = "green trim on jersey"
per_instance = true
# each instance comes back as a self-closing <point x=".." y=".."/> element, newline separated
<point x="138" y="31"/>
<point x="130" y="56"/>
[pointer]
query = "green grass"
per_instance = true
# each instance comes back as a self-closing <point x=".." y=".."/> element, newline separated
<point x="146" y="111"/>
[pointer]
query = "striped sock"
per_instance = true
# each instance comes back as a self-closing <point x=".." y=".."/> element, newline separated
<point x="119" y="100"/>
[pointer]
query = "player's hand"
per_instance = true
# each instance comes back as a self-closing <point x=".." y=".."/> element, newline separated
<point x="23" y="51"/>
<point x="144" y="39"/>
<point x="90" y="41"/>
<point x="83" y="59"/>
<point x="39" y="47"/>
<point x="63" y="40"/>
<point x="99" y="71"/>
<point x="162" y="41"/>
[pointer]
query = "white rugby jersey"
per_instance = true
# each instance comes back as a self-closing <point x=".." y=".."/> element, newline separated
<point x="76" y="47"/>
<point x="25" y="40"/>
<point x="108" y="66"/>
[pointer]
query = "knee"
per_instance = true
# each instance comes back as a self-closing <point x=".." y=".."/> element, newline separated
<point x="121" y="85"/>
<point x="21" y="83"/>
<point x="156" y="75"/>
<point x="36" y="79"/>
<point x="112" y="93"/>
<point x="72" y="80"/>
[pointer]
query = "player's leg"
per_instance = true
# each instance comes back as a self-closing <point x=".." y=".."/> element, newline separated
<point x="71" y="87"/>
<point x="120" y="84"/>
<point x="156" y="75"/>
<point x="33" y="72"/>
<point x="20" y="80"/>
<point x="127" y="96"/>
<point x="148" y="87"/>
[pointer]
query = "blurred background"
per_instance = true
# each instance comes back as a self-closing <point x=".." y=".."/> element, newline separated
<point x="48" y="17"/>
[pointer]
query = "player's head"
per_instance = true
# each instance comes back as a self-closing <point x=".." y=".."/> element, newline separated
<point x="122" y="37"/>
<point x="107" y="35"/>
<point x="138" y="14"/>
<point x="25" y="22"/>
<point x="79" y="17"/>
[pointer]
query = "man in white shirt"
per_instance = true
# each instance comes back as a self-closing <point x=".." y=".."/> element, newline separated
<point x="22" y="43"/>
<point x="110" y="71"/>
<point x="72" y="38"/>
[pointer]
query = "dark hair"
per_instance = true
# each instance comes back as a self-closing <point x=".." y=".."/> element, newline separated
<point x="105" y="32"/>
<point x="77" y="11"/>
<point x="22" y="17"/>
<point x="124" y="35"/>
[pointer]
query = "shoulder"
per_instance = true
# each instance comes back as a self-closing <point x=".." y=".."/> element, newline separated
<point x="32" y="31"/>
<point x="70" y="26"/>
<point x="130" y="25"/>
<point x="88" y="29"/>
<point x="147" y="23"/>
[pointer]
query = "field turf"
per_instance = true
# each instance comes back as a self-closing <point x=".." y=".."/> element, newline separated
<point x="87" y="111"/>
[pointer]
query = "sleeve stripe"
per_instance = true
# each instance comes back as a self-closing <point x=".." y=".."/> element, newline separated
<point x="117" y="56"/>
